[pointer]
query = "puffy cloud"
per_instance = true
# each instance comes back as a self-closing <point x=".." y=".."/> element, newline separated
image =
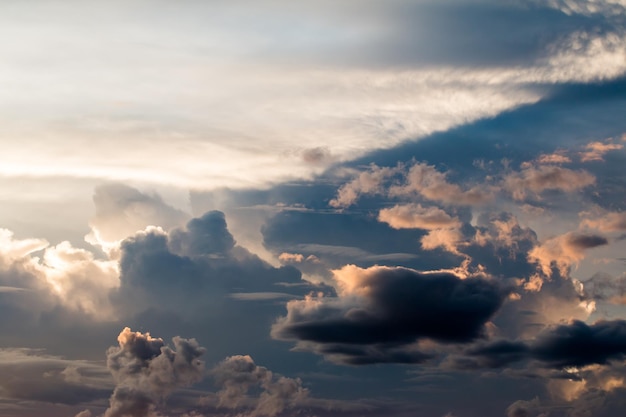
<point x="238" y="375"/>
<point x="184" y="269"/>
<point x="595" y="151"/>
<point x="61" y="276"/>
<point x="415" y="179"/>
<point x="414" y="216"/>
<point x="424" y="180"/>
<point x="564" y="251"/>
<point x="448" y="239"/>
<point x="146" y="371"/>
<point x="380" y="311"/>
<point x="367" y="182"/>
<point x="122" y="210"/>
<point x="546" y="177"/>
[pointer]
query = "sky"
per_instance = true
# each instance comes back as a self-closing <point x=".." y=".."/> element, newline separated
<point x="402" y="208"/>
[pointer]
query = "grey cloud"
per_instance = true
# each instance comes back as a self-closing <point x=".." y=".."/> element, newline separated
<point x="523" y="408"/>
<point x="30" y="374"/>
<point x="383" y="308"/>
<point x="604" y="287"/>
<point x="206" y="235"/>
<point x="146" y="371"/>
<point x="190" y="266"/>
<point x="238" y="376"/>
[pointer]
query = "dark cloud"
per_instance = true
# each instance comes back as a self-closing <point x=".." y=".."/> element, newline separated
<point x="569" y="345"/>
<point x="580" y="344"/>
<point x="387" y="307"/>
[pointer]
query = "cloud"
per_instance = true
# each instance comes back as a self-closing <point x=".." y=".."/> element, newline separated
<point x="564" y="251"/>
<point x="146" y="371"/>
<point x="567" y="347"/>
<point x="448" y="239"/>
<point x="554" y="158"/>
<point x="523" y="408"/>
<point x="579" y="344"/>
<point x="34" y="375"/>
<point x="380" y="309"/>
<point x="595" y="151"/>
<point x="122" y="210"/>
<point x="205" y="235"/>
<point x="61" y="275"/>
<point x="238" y="375"/>
<point x="536" y="180"/>
<point x="424" y="180"/>
<point x="367" y="182"/>
<point x="610" y="222"/>
<point x="416" y="179"/>
<point x="604" y="287"/>
<point x="414" y="216"/>
<point x="184" y="269"/>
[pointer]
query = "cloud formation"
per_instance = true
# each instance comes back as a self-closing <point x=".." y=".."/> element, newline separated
<point x="536" y="180"/>
<point x="380" y="309"/>
<point x="414" y="216"/>
<point x="146" y="372"/>
<point x="238" y="375"/>
<point x="564" y="251"/>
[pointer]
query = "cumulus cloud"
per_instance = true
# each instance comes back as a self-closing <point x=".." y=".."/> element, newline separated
<point x="564" y="251"/>
<point x="424" y="180"/>
<point x="146" y="371"/>
<point x="536" y="180"/>
<point x="205" y="235"/>
<point x="184" y="269"/>
<point x="122" y="210"/>
<point x="381" y="309"/>
<point x="417" y="179"/>
<point x="238" y="375"/>
<point x="414" y="216"/>
<point x="448" y="239"/>
<point x="61" y="275"/>
<point x="367" y="182"/>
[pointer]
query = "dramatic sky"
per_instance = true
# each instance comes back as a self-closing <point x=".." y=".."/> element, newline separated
<point x="272" y="208"/>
